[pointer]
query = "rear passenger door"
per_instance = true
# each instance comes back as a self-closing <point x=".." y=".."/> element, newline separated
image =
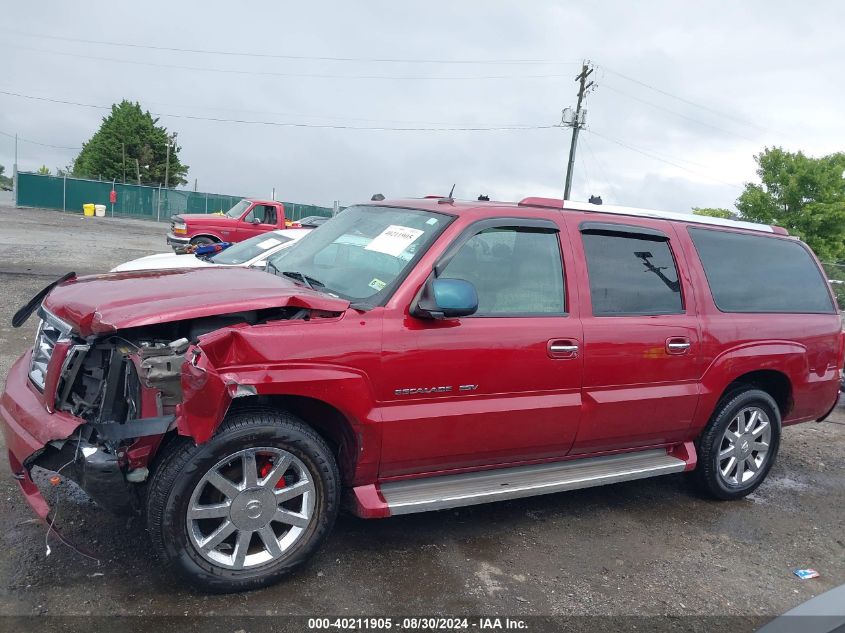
<point x="502" y="385"/>
<point x="641" y="334"/>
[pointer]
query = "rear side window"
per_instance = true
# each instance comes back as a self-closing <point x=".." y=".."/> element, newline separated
<point x="755" y="273"/>
<point x="631" y="274"/>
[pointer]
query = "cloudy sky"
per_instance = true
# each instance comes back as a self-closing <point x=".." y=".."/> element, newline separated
<point x="686" y="92"/>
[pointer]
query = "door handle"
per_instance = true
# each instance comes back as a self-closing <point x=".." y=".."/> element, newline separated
<point x="565" y="348"/>
<point x="678" y="345"/>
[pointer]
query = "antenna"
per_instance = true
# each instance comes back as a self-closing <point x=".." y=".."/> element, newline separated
<point x="448" y="199"/>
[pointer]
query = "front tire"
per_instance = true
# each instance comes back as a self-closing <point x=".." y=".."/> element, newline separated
<point x="739" y="445"/>
<point x="202" y="241"/>
<point x="244" y="509"/>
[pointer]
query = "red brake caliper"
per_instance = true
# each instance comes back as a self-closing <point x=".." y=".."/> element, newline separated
<point x="265" y="469"/>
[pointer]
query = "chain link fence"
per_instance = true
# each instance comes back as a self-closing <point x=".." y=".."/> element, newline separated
<point x="138" y="201"/>
<point x="836" y="275"/>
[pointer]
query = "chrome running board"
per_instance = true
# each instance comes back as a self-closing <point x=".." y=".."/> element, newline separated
<point x="450" y="491"/>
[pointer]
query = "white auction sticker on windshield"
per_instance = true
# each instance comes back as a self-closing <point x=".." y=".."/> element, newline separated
<point x="270" y="242"/>
<point x="393" y="240"/>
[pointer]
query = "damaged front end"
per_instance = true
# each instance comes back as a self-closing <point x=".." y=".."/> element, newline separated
<point x="125" y="392"/>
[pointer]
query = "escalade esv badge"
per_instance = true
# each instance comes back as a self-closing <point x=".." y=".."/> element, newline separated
<point x="424" y="390"/>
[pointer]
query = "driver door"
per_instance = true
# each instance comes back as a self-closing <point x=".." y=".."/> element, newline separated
<point x="500" y="386"/>
<point x="259" y="219"/>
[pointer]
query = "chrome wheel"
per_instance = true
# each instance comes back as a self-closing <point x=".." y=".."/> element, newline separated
<point x="251" y="508"/>
<point x="745" y="446"/>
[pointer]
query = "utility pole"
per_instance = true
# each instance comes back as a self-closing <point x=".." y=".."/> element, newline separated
<point x="167" y="166"/>
<point x="577" y="121"/>
<point x="15" y="170"/>
<point x="123" y="151"/>
<point x="138" y="171"/>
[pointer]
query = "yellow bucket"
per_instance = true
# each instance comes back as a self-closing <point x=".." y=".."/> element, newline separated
<point x="88" y="210"/>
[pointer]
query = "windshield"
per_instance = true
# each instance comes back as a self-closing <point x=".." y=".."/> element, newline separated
<point x="249" y="249"/>
<point x="238" y="210"/>
<point x="361" y="252"/>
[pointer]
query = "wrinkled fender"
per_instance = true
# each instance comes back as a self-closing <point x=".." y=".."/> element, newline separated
<point x="786" y="357"/>
<point x="208" y="393"/>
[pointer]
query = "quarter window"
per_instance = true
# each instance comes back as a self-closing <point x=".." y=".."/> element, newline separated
<point x="516" y="271"/>
<point x="756" y="273"/>
<point x="631" y="274"/>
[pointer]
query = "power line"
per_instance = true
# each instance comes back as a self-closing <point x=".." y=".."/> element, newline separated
<point x="683" y="116"/>
<point x="588" y="180"/>
<point x="26" y="140"/>
<point x="289" y="75"/>
<point x="309" y="116"/>
<point x="601" y="167"/>
<point x="658" y="158"/>
<point x="304" y="115"/>
<point x="298" y="125"/>
<point x="679" y="98"/>
<point x="390" y="60"/>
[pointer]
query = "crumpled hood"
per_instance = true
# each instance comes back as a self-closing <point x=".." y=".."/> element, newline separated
<point x="99" y="304"/>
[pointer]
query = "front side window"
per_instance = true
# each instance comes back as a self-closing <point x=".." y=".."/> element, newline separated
<point x="757" y="273"/>
<point x="631" y="274"/>
<point x="361" y="252"/>
<point x="516" y="271"/>
<point x="249" y="249"/>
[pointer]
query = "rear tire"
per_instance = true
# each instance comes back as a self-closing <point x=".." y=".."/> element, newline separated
<point x="246" y="508"/>
<point x="739" y="445"/>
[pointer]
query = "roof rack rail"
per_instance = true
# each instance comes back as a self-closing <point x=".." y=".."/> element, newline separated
<point x="555" y="203"/>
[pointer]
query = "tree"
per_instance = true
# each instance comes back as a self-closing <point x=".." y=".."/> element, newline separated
<point x="805" y="195"/>
<point x="5" y="181"/>
<point x="714" y="213"/>
<point x="43" y="170"/>
<point x="131" y="130"/>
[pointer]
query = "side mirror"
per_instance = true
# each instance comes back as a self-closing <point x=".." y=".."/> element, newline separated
<point x="445" y="299"/>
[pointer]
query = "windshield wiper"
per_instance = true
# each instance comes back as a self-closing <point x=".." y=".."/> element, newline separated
<point x="270" y="263"/>
<point x="308" y="281"/>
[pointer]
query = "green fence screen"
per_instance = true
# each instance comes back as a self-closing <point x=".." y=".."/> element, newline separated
<point x="150" y="203"/>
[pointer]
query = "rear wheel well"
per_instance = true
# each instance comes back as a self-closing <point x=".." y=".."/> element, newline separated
<point x="329" y="422"/>
<point x="774" y="383"/>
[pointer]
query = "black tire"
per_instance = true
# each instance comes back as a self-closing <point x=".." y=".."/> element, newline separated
<point x="707" y="475"/>
<point x="182" y="468"/>
<point x="199" y="241"/>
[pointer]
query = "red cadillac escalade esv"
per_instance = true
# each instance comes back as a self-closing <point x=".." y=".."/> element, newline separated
<point x="416" y="355"/>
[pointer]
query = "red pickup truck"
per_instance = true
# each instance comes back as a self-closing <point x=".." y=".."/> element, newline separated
<point x="244" y="220"/>
<point x="417" y="355"/>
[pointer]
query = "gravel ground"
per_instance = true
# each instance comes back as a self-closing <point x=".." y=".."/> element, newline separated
<point x="643" y="548"/>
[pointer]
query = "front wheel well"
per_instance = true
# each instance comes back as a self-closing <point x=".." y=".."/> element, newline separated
<point x="773" y="382"/>
<point x="213" y="238"/>
<point x="332" y="425"/>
